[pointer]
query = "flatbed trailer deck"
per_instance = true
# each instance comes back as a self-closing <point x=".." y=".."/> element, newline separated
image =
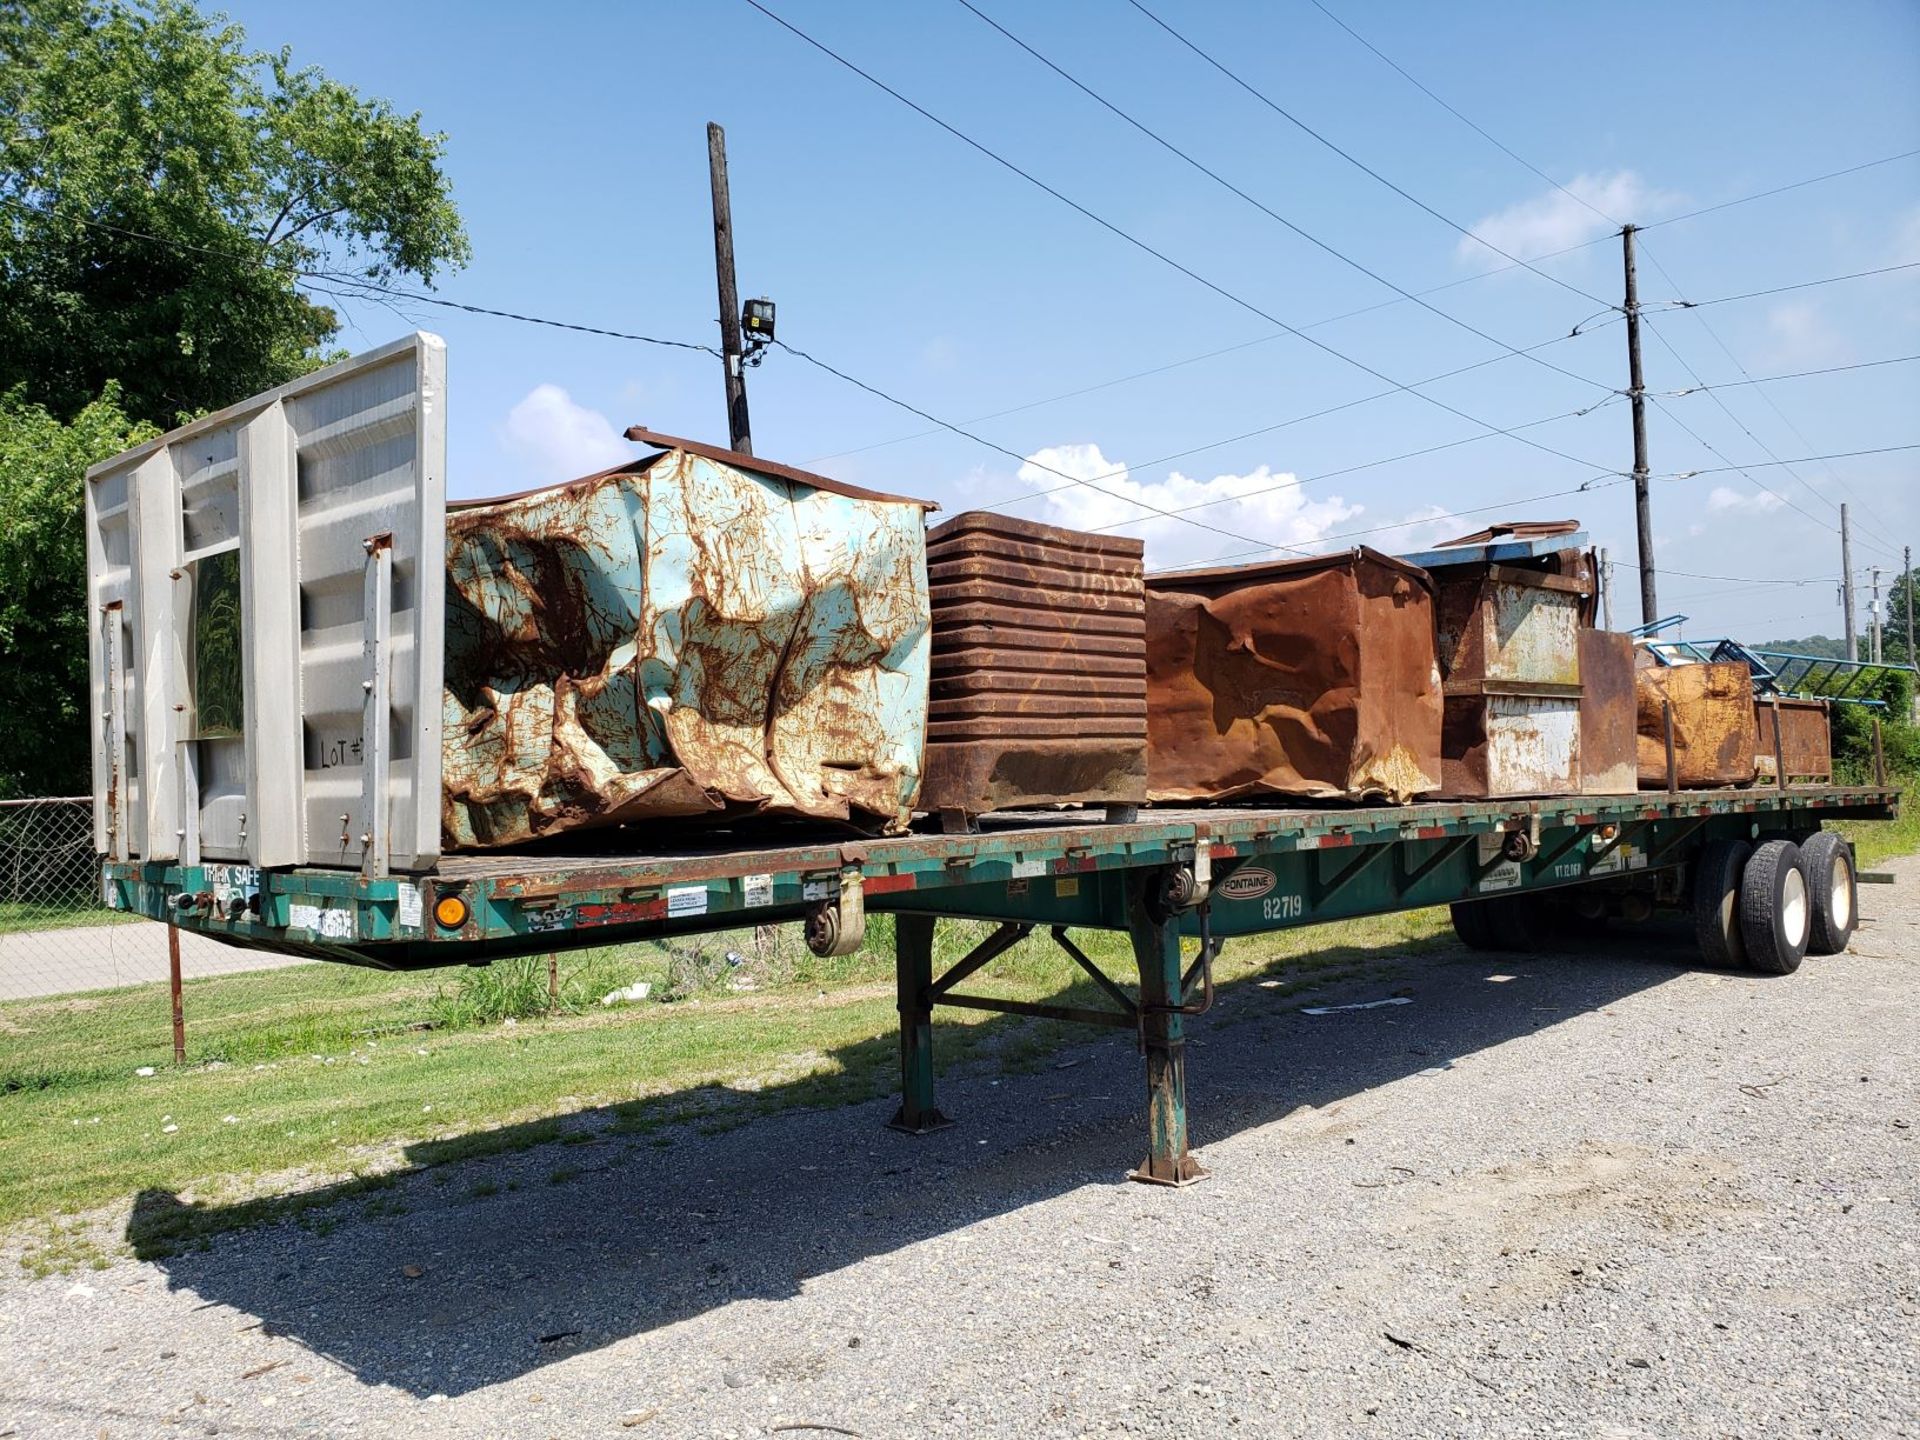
<point x="1163" y="877"/>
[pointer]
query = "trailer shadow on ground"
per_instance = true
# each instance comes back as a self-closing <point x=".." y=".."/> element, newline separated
<point x="457" y="1277"/>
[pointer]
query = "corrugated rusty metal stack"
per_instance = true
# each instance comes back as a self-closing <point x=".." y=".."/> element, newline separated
<point x="1805" y="746"/>
<point x="1039" y="690"/>
<point x="1715" y="734"/>
<point x="1308" y="678"/>
<point x="1512" y="604"/>
<point x="699" y="634"/>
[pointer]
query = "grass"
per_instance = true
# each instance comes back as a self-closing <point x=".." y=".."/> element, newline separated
<point x="1876" y="841"/>
<point x="21" y="917"/>
<point x="306" y="1086"/>
<point x="309" y="1075"/>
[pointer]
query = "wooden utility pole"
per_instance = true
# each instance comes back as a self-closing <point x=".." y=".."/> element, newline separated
<point x="1637" y="392"/>
<point x="1846" y="581"/>
<point x="739" y="436"/>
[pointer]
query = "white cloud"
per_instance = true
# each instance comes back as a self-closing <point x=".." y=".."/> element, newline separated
<point x="551" y="438"/>
<point x="1725" y="498"/>
<point x="1556" y="220"/>
<point x="1259" y="508"/>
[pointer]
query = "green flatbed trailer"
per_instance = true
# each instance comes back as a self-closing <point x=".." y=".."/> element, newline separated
<point x="1165" y="877"/>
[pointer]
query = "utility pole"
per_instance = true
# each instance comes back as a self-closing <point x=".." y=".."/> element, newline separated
<point x="1906" y="579"/>
<point x="1846" y="580"/>
<point x="739" y="436"/>
<point x="1874" y="613"/>
<point x="1637" y="392"/>
<point x="1606" y="590"/>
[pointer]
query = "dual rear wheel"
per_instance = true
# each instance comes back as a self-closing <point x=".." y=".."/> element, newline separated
<point x="1767" y="907"/>
<point x="1764" y="907"/>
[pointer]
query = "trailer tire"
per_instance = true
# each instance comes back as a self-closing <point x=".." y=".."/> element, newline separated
<point x="1518" y="923"/>
<point x="1776" y="908"/>
<point x="1830" y="884"/>
<point x="1471" y="924"/>
<point x="1716" y="902"/>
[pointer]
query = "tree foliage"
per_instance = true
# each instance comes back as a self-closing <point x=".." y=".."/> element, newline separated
<point x="43" y="567"/>
<point x="165" y="195"/>
<point x="162" y="192"/>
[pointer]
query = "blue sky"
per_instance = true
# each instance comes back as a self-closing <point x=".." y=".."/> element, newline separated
<point x="902" y="256"/>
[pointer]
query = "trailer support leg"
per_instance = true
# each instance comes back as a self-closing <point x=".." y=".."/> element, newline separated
<point x="913" y="967"/>
<point x="1156" y="949"/>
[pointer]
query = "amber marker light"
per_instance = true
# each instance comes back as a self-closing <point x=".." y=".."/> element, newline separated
<point x="450" y="911"/>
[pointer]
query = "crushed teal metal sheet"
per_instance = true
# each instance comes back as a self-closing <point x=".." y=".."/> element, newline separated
<point x="683" y="637"/>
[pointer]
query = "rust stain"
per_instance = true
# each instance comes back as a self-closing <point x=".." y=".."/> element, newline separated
<point x="1806" y="741"/>
<point x="1307" y="678"/>
<point x="1715" y="736"/>
<point x="681" y="638"/>
<point x="1608" y="749"/>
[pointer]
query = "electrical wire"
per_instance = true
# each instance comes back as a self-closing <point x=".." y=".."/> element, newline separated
<point x="1782" y="289"/>
<point x="1142" y="245"/>
<point x="1275" y="215"/>
<point x="1790" y="375"/>
<point x="1352" y="159"/>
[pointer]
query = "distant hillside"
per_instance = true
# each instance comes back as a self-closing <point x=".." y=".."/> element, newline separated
<point x="1825" y="647"/>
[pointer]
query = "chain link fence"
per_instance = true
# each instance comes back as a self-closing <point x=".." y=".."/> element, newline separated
<point x="57" y="937"/>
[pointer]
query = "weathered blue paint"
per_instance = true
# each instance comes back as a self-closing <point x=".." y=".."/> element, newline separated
<point x="683" y="637"/>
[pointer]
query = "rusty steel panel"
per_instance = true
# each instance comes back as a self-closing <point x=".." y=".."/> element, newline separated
<point x="1608" y="760"/>
<point x="1309" y="678"/>
<point x="1507" y="638"/>
<point x="698" y="634"/>
<point x="1039" y="688"/>
<point x="1715" y="736"/>
<point x="1498" y="745"/>
<point x="1806" y="740"/>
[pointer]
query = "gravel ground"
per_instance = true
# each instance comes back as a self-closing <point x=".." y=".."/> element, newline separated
<point x="1598" y="1194"/>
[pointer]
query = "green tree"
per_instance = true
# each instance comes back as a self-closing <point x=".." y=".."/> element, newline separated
<point x="43" y="564"/>
<point x="165" y="194"/>
<point x="165" y="189"/>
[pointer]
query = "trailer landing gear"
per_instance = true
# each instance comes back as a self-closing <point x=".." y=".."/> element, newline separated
<point x="1158" y="1017"/>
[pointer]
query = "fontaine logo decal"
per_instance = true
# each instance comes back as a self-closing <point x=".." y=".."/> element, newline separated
<point x="1248" y="883"/>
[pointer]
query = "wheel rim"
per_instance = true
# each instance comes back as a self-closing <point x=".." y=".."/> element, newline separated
<point x="1840" y="902"/>
<point x="1793" y="908"/>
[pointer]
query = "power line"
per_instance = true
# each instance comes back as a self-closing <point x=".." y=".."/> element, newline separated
<point x="335" y="277"/>
<point x="1142" y="245"/>
<point x="1800" y="460"/>
<point x="1790" y="375"/>
<point x="1726" y="350"/>
<point x="1014" y="454"/>
<point x="1275" y="215"/>
<point x="1781" y="289"/>
<point x="1781" y="189"/>
<point x="1350" y="158"/>
<point x="1300" y="481"/>
<point x="1596" y="210"/>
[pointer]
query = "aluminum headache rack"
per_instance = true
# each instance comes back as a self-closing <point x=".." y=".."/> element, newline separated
<point x="1170" y="877"/>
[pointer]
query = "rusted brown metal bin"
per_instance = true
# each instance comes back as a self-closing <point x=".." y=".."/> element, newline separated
<point x="1715" y="736"/>
<point x="1806" y="740"/>
<point x="698" y="634"/>
<point x="1039" y="689"/>
<point x="1511" y="602"/>
<point x="1608" y="760"/>
<point x="1308" y="678"/>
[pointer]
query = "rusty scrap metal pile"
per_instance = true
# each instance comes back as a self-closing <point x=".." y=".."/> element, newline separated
<point x="706" y="635"/>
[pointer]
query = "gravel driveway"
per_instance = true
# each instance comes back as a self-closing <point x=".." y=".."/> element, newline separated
<point x="1598" y="1194"/>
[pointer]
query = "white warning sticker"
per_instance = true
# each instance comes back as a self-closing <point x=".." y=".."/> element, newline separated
<point x="759" y="889"/>
<point x="1028" y="869"/>
<point x="1504" y="876"/>
<point x="686" y="900"/>
<point x="327" y="924"/>
<point x="411" y="910"/>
